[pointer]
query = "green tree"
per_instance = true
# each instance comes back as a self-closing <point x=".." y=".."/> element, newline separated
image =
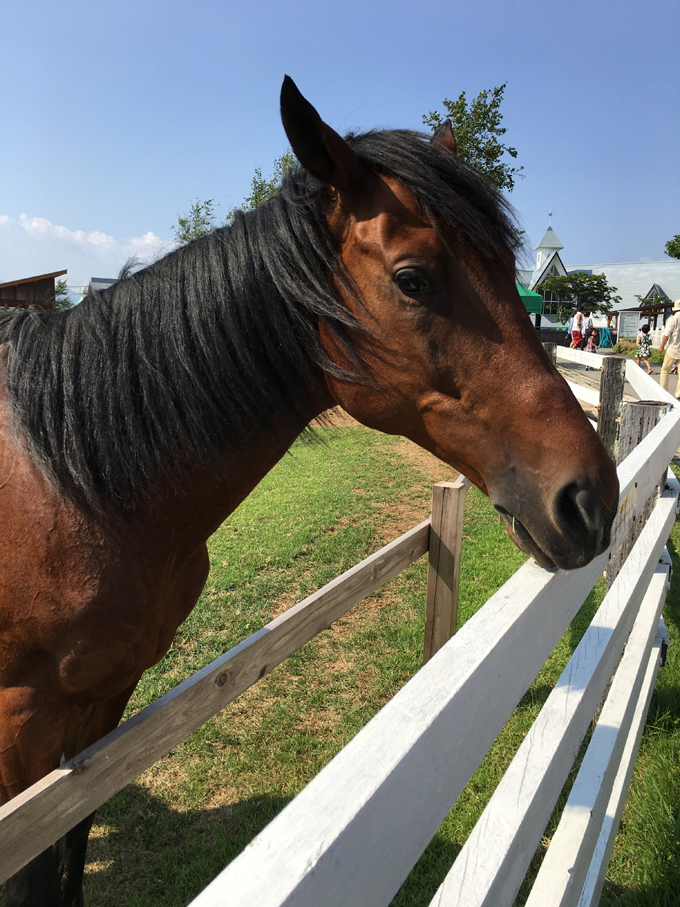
<point x="477" y="127"/>
<point x="201" y="218"/>
<point x="656" y="299"/>
<point x="673" y="247"/>
<point x="588" y="290"/>
<point x="198" y="222"/>
<point x="262" y="189"/>
<point x="62" y="297"/>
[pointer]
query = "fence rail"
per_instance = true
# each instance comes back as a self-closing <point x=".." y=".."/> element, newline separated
<point x="41" y="814"/>
<point x="401" y="774"/>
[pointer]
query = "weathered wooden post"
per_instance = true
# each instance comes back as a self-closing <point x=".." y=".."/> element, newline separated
<point x="638" y="418"/>
<point x="443" y="574"/>
<point x="611" y="401"/>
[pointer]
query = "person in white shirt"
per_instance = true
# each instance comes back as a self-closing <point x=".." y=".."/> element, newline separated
<point x="577" y="328"/>
<point x="587" y="324"/>
<point x="671" y="341"/>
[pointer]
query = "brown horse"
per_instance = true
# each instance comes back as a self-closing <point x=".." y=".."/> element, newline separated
<point x="380" y="278"/>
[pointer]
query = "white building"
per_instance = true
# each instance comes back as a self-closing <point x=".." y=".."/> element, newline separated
<point x="548" y="262"/>
<point x="638" y="278"/>
<point x="631" y="279"/>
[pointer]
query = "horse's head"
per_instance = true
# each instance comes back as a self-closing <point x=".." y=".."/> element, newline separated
<point x="455" y="361"/>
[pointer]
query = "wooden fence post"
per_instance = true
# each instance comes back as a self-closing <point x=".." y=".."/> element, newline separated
<point x="443" y="574"/>
<point x="611" y="400"/>
<point x="638" y="418"/>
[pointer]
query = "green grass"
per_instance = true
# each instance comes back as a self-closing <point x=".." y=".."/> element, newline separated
<point x="324" y="508"/>
<point x="645" y="866"/>
<point x="629" y="348"/>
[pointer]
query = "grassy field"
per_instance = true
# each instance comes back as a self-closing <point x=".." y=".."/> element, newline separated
<point x="324" y="508"/>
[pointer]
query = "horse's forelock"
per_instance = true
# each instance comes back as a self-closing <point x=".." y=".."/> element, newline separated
<point x="445" y="185"/>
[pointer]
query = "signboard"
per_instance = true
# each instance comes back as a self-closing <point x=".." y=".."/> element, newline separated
<point x="628" y="325"/>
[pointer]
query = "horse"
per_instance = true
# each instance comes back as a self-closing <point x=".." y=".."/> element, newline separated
<point x="380" y="278"/>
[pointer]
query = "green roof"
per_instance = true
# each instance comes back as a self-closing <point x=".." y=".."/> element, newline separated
<point x="533" y="302"/>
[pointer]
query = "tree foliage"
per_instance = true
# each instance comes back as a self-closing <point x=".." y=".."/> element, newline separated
<point x="578" y="289"/>
<point x="656" y="299"/>
<point x="62" y="297"/>
<point x="477" y="127"/>
<point x="262" y="189"/>
<point x="201" y="218"/>
<point x="198" y="222"/>
<point x="673" y="247"/>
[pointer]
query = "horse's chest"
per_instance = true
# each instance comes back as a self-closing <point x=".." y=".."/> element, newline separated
<point x="129" y="626"/>
<point x="93" y="614"/>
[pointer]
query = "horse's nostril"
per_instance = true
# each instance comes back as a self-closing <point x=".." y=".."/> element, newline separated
<point x="579" y="510"/>
<point x="568" y="510"/>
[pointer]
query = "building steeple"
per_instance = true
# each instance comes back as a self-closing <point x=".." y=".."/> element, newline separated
<point x="549" y="243"/>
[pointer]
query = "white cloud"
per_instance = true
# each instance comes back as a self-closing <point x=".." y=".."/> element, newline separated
<point x="34" y="245"/>
<point x="149" y="247"/>
<point x="41" y="228"/>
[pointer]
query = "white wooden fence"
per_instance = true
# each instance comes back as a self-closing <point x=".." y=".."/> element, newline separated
<point x="354" y="833"/>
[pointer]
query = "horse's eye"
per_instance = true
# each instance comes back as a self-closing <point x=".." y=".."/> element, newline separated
<point x="411" y="282"/>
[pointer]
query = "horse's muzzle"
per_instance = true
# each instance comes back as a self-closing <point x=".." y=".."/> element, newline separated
<point x="568" y="531"/>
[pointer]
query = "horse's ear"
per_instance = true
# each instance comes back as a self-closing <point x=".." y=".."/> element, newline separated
<point x="319" y="148"/>
<point x="444" y="136"/>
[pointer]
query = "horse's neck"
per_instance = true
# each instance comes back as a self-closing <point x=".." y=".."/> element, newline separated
<point x="199" y="503"/>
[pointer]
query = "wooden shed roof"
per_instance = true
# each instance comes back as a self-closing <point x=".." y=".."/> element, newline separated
<point x="15" y="283"/>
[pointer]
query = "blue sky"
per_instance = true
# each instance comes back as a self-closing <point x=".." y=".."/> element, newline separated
<point x="114" y="117"/>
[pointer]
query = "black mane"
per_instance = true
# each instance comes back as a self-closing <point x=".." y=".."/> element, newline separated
<point x="181" y="359"/>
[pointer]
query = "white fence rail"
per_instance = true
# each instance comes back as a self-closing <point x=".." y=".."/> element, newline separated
<point x="354" y="833"/>
<point x="643" y="385"/>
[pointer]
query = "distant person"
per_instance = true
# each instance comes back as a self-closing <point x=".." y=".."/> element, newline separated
<point x="587" y="327"/>
<point x="577" y="329"/>
<point x="644" y="350"/>
<point x="591" y="346"/>
<point x="671" y="338"/>
<point x="570" y="324"/>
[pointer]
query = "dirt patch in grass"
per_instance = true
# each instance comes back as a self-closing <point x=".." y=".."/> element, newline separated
<point x="318" y="721"/>
<point x="427" y="462"/>
<point x="167" y="776"/>
<point x="422" y="459"/>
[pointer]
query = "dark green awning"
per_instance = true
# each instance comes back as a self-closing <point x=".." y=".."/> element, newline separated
<point x="533" y="302"/>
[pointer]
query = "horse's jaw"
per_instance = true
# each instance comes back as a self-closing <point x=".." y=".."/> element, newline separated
<point x="521" y="537"/>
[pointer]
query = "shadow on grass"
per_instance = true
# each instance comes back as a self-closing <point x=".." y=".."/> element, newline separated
<point x="664" y="894"/>
<point x="145" y="854"/>
<point x="428" y="873"/>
